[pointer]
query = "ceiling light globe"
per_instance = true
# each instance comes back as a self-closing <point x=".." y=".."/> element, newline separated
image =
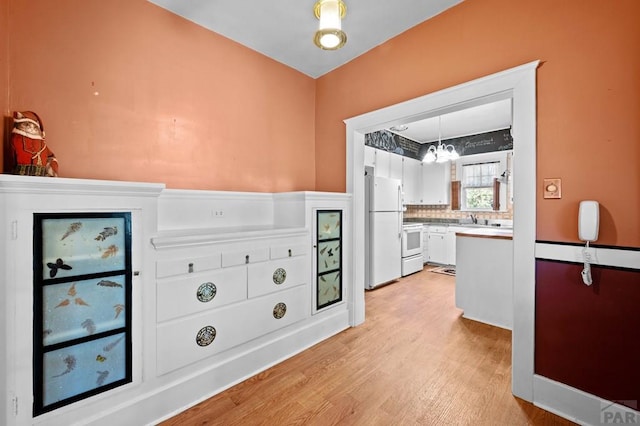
<point x="330" y="39"/>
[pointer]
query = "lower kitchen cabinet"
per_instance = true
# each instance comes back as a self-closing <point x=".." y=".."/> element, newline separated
<point x="425" y="243"/>
<point x="437" y="247"/>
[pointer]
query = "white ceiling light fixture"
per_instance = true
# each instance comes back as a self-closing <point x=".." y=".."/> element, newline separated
<point x="442" y="153"/>
<point x="330" y="13"/>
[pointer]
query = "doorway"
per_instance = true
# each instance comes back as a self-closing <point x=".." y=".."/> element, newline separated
<point x="518" y="84"/>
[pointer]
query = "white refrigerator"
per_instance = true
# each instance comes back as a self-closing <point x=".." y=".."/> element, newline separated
<point x="384" y="230"/>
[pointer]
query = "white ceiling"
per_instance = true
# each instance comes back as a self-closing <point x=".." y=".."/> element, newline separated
<point x="284" y="29"/>
<point x="470" y="121"/>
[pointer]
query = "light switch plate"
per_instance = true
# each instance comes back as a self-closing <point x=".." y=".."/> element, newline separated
<point x="552" y="188"/>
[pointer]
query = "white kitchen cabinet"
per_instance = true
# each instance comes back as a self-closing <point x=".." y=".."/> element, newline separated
<point x="412" y="181"/>
<point x="425" y="243"/>
<point x="395" y="166"/>
<point x="382" y="163"/>
<point x="436" y="181"/>
<point x="369" y="156"/>
<point x="450" y="244"/>
<point x="437" y="246"/>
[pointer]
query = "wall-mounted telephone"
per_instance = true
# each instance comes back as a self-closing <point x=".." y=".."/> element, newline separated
<point x="588" y="226"/>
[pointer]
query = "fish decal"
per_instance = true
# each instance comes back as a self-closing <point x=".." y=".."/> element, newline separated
<point x="58" y="265"/>
<point x="72" y="290"/>
<point x="113" y="344"/>
<point x="89" y="325"/>
<point x="118" y="308"/>
<point x="106" y="233"/>
<point x="65" y="302"/>
<point x="70" y="361"/>
<point x="101" y="358"/>
<point x="102" y="376"/>
<point x="81" y="302"/>
<point x="107" y="283"/>
<point x="74" y="227"/>
<point x="110" y="251"/>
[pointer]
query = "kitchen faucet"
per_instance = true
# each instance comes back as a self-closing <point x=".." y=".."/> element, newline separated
<point x="474" y="219"/>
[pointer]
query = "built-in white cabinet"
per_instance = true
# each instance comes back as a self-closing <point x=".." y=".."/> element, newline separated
<point x="436" y="182"/>
<point x="395" y="166"/>
<point x="427" y="184"/>
<point x="437" y="249"/>
<point x="382" y="164"/>
<point x="425" y="243"/>
<point x="155" y="301"/>
<point x="412" y="180"/>
<point x="369" y="156"/>
<point x="450" y="243"/>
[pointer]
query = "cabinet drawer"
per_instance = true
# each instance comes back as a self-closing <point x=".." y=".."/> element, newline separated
<point x="438" y="229"/>
<point x="241" y="257"/>
<point x="277" y="275"/>
<point x="167" y="268"/>
<point x="188" y="295"/>
<point x="282" y="251"/>
<point x="178" y="345"/>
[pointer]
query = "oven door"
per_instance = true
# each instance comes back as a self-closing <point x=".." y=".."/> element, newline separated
<point x="411" y="240"/>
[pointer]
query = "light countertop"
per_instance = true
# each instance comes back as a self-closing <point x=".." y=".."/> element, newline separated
<point x="487" y="232"/>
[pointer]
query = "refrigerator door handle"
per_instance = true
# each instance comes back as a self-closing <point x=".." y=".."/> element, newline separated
<point x="400" y="210"/>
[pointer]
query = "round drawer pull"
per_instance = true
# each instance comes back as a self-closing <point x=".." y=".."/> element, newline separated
<point x="206" y="292"/>
<point x="206" y="336"/>
<point x="279" y="276"/>
<point x="279" y="310"/>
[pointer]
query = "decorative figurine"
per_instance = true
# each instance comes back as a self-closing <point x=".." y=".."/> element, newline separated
<point x="31" y="155"/>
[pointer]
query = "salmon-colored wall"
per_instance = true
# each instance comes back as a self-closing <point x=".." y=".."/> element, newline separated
<point x="4" y="76"/>
<point x="130" y="91"/>
<point x="588" y="96"/>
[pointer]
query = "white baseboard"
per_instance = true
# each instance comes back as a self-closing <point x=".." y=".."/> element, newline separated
<point x="578" y="406"/>
<point x="167" y="401"/>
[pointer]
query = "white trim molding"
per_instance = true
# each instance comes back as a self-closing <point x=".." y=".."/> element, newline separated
<point x="519" y="84"/>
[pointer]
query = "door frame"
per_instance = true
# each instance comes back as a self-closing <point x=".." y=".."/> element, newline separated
<point x="518" y="84"/>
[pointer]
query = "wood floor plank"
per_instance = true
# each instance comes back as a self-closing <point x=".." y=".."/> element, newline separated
<point x="415" y="361"/>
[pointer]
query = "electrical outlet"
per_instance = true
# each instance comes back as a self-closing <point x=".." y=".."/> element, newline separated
<point x="217" y="213"/>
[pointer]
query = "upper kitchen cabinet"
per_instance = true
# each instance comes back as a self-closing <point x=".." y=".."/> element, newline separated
<point x="386" y="164"/>
<point x="395" y="166"/>
<point x="436" y="180"/>
<point x="369" y="156"/>
<point x="412" y="181"/>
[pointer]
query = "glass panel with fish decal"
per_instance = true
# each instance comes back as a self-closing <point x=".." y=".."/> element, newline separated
<point x="82" y="306"/>
<point x="77" y="369"/>
<point x="79" y="246"/>
<point x="328" y="255"/>
<point x="329" y="225"/>
<point x="329" y="258"/>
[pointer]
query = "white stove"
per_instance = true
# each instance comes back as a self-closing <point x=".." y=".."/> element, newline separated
<point x="412" y="260"/>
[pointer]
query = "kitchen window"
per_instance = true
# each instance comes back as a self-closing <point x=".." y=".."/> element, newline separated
<point x="477" y="185"/>
<point x="478" y="188"/>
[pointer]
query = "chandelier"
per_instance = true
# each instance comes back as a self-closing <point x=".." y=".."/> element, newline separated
<point x="440" y="153"/>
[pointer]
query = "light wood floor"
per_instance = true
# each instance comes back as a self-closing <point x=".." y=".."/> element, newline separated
<point x="415" y="361"/>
